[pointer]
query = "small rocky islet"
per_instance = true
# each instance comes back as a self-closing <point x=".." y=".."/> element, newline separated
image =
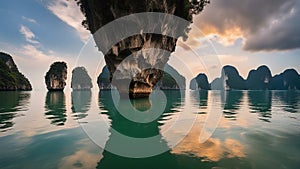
<point x="81" y="79"/>
<point x="56" y="77"/>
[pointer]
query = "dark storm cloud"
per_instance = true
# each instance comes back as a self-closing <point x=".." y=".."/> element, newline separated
<point x="265" y="24"/>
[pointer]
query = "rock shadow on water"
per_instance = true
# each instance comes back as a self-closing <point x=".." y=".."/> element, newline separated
<point x="12" y="106"/>
<point x="81" y="102"/>
<point x="260" y="102"/>
<point x="55" y="107"/>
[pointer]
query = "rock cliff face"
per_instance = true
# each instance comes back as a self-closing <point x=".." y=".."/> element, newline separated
<point x="56" y="77"/>
<point x="81" y="79"/>
<point x="99" y="13"/>
<point x="259" y="79"/>
<point x="10" y="77"/>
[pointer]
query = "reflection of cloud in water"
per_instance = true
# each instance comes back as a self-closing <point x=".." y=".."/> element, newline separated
<point x="86" y="155"/>
<point x="212" y="150"/>
<point x="80" y="159"/>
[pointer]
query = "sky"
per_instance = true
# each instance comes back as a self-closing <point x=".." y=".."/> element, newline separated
<point x="242" y="33"/>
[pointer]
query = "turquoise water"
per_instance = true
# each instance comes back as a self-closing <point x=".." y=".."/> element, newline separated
<point x="256" y="129"/>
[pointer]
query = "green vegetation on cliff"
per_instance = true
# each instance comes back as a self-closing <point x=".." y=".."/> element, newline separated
<point x="10" y="77"/>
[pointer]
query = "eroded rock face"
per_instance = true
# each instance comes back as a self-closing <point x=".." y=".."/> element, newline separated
<point x="56" y="76"/>
<point x="145" y="68"/>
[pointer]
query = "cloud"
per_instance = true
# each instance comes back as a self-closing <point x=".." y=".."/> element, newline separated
<point x="29" y="20"/>
<point x="70" y="13"/>
<point x="28" y="34"/>
<point x="225" y="59"/>
<point x="35" y="61"/>
<point x="32" y="53"/>
<point x="263" y="25"/>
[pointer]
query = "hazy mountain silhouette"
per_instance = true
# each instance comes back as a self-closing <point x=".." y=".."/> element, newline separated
<point x="259" y="79"/>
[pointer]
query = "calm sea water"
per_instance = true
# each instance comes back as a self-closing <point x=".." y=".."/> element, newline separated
<point x="256" y="129"/>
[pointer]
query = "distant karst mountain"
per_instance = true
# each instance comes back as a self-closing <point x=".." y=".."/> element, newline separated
<point x="56" y="76"/>
<point x="171" y="79"/>
<point x="259" y="79"/>
<point x="10" y="77"/>
<point x="81" y="79"/>
<point x="289" y="79"/>
<point x="200" y="82"/>
<point x="230" y="79"/>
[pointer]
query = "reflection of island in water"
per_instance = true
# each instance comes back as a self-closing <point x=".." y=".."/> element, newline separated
<point x="232" y="104"/>
<point x="260" y="102"/>
<point x="55" y="108"/>
<point x="175" y="159"/>
<point x="203" y="96"/>
<point x="81" y="101"/>
<point x="289" y="100"/>
<point x="11" y="106"/>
